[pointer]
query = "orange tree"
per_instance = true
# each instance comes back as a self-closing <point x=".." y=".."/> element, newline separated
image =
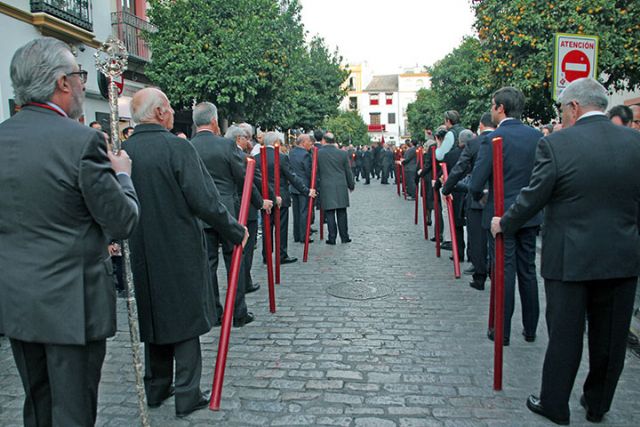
<point x="517" y="43"/>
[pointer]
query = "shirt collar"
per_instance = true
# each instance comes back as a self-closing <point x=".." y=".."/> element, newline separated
<point x="591" y="113"/>
<point x="57" y="108"/>
<point x="504" y="120"/>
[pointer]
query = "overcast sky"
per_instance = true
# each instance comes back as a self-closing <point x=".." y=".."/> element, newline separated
<point x="389" y="34"/>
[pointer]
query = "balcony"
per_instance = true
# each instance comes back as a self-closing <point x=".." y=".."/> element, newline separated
<point x="130" y="28"/>
<point x="376" y="128"/>
<point x="76" y="12"/>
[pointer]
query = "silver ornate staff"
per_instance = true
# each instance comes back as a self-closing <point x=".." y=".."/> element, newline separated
<point x="111" y="60"/>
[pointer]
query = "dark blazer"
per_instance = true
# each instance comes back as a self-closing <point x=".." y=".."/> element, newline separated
<point x="300" y="160"/>
<point x="464" y="167"/>
<point x="367" y="160"/>
<point x="168" y="253"/>
<point x="409" y="160"/>
<point x="224" y="163"/>
<point x="287" y="176"/>
<point x="451" y="159"/>
<point x="519" y="148"/>
<point x="60" y="206"/>
<point x="335" y="178"/>
<point x="587" y="177"/>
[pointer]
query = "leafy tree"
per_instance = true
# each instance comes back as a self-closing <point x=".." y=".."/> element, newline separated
<point x="517" y="43"/>
<point x="461" y="81"/>
<point x="426" y="112"/>
<point x="348" y="127"/>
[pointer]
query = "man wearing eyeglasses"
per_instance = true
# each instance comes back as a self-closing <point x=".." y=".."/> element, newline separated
<point x="63" y="195"/>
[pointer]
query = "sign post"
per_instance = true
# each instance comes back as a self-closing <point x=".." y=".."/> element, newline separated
<point x="575" y="57"/>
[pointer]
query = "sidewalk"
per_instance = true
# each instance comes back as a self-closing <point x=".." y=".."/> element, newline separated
<point x="414" y="353"/>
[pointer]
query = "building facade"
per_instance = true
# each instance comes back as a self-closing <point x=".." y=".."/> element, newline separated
<point x="382" y="100"/>
<point x="84" y="25"/>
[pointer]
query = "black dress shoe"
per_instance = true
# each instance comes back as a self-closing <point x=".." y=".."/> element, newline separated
<point x="329" y="242"/>
<point x="477" y="285"/>
<point x="170" y="393"/>
<point x="591" y="417"/>
<point x="529" y="338"/>
<point x="288" y="260"/>
<point x="253" y="288"/>
<point x="469" y="271"/>
<point x="534" y="405"/>
<point x="313" y="230"/>
<point x="505" y="340"/>
<point x="248" y="318"/>
<point x="346" y="241"/>
<point x="446" y="246"/>
<point x="310" y="241"/>
<point x="202" y="403"/>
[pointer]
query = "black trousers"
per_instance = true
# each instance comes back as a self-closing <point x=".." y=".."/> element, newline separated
<point x="386" y="170"/>
<point x="607" y="306"/>
<point x="300" y="206"/>
<point x="342" y="226"/>
<point x="214" y="241"/>
<point x="284" y="232"/>
<point x="520" y="262"/>
<point x="439" y="213"/>
<point x="366" y="174"/>
<point x="159" y="372"/>
<point x="477" y="244"/>
<point x="118" y="272"/>
<point x="410" y="174"/>
<point x="60" y="382"/>
<point x="247" y="255"/>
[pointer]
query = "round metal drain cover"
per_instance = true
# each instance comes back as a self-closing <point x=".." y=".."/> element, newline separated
<point x="359" y="289"/>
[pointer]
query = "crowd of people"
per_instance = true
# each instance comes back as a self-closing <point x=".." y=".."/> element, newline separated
<point x="67" y="202"/>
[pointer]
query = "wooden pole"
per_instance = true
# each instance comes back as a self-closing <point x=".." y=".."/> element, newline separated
<point x="266" y="219"/>
<point x="498" y="206"/>
<point x="276" y="216"/>
<point x="314" y="171"/>
<point x="452" y="225"/>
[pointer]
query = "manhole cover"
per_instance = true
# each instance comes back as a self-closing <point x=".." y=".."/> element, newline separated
<point x="359" y="289"/>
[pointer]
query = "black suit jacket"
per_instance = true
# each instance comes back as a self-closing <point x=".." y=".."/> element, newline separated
<point x="335" y="178"/>
<point x="587" y="177"/>
<point x="300" y="160"/>
<point x="519" y="150"/>
<point x="409" y="160"/>
<point x="287" y="176"/>
<point x="60" y="205"/>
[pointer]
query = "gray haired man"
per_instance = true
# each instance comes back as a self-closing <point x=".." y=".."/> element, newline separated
<point x="63" y="195"/>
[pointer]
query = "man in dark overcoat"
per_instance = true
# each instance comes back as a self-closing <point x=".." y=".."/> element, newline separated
<point x="335" y="182"/>
<point x="387" y="164"/>
<point x="590" y="247"/>
<point x="168" y="251"/>
<point x="409" y="161"/>
<point x="63" y="196"/>
<point x="300" y="159"/>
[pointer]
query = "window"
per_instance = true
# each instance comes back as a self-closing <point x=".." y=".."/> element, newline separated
<point x="374" y="118"/>
<point x="353" y="102"/>
<point x="391" y="118"/>
<point x="389" y="98"/>
<point x="373" y="99"/>
<point x="352" y="85"/>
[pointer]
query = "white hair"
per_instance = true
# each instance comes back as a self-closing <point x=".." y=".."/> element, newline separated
<point x="203" y="113"/>
<point x="587" y="92"/>
<point x="270" y="138"/>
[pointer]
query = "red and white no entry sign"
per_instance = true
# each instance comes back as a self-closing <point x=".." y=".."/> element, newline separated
<point x="576" y="56"/>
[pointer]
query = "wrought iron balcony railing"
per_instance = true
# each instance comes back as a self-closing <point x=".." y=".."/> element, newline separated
<point x="129" y="28"/>
<point x="76" y="12"/>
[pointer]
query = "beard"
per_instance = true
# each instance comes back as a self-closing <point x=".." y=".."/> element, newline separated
<point x="76" y="108"/>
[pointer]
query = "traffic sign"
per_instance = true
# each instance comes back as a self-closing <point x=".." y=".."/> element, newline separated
<point x="576" y="56"/>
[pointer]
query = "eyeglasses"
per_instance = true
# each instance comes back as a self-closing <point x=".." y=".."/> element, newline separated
<point x="82" y="73"/>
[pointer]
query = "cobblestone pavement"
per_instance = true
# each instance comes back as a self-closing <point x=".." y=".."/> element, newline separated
<point x="416" y="357"/>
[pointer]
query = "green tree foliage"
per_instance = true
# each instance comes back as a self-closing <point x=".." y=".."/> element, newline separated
<point x="249" y="57"/>
<point x="348" y="127"/>
<point x="462" y="82"/>
<point x="517" y="43"/>
<point x="426" y="112"/>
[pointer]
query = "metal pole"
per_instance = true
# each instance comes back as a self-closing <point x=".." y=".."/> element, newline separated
<point x="498" y="206"/>
<point x="232" y="288"/>
<point x="314" y="171"/>
<point x="111" y="60"/>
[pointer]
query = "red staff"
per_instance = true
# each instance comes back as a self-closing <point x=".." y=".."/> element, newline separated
<point x="227" y="317"/>
<point x="266" y="218"/>
<point x="424" y="198"/>
<point x="436" y="205"/>
<point x="417" y="200"/>
<point x="314" y="171"/>
<point x="452" y="225"/>
<point x="396" y="157"/>
<point x="498" y="271"/>
<point x="276" y="217"/>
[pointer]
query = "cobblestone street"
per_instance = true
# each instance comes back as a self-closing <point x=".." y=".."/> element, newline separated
<point x="416" y="355"/>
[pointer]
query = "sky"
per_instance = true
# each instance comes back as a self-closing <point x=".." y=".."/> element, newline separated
<point x="389" y="34"/>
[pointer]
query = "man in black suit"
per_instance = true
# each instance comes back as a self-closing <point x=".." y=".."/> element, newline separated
<point x="287" y="177"/>
<point x="335" y="182"/>
<point x="225" y="163"/>
<point x="387" y="164"/>
<point x="367" y="164"/>
<point x="300" y="159"/>
<point x="63" y="196"/>
<point x="591" y="247"/>
<point x="460" y="176"/>
<point x="519" y="144"/>
<point x="409" y="162"/>
<point x="168" y="252"/>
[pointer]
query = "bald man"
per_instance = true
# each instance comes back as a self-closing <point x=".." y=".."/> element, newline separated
<point x="169" y="258"/>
